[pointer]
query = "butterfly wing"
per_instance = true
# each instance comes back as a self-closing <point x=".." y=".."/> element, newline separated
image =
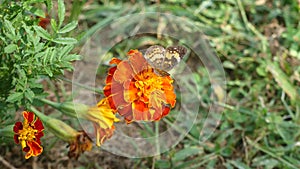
<point x="173" y="56"/>
<point x="155" y="56"/>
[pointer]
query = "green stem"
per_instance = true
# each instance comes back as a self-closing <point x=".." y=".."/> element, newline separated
<point x="99" y="91"/>
<point x="42" y="116"/>
<point x="157" y="139"/>
<point x="51" y="103"/>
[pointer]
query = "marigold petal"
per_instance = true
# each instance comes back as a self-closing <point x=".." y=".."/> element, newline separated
<point x="103" y="134"/>
<point x="131" y="93"/>
<point x="166" y="111"/>
<point x="38" y="137"/>
<point x="35" y="149"/>
<point x="38" y="125"/>
<point x="132" y="52"/>
<point x="129" y="118"/>
<point x="117" y="96"/>
<point x="111" y="102"/>
<point x="16" y="138"/>
<point x="157" y="99"/>
<point x="157" y="114"/>
<point x="171" y="97"/>
<point x="125" y="110"/>
<point x="124" y="72"/>
<point x="18" y="126"/>
<point x="29" y="116"/>
<point x="110" y="73"/>
<point x="115" y="61"/>
<point x="137" y="62"/>
<point x="107" y="90"/>
<point x="140" y="111"/>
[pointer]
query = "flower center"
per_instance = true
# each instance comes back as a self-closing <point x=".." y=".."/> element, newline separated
<point x="27" y="134"/>
<point x="146" y="83"/>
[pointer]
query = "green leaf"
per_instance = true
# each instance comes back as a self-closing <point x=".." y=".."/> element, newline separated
<point x="53" y="25"/>
<point x="68" y="27"/>
<point x="29" y="94"/>
<point x="283" y="81"/>
<point x="72" y="57"/>
<point x="14" y="97"/>
<point x="229" y="65"/>
<point x="49" y="4"/>
<point x="46" y="55"/>
<point x="186" y="152"/>
<point x="65" y="40"/>
<point x="10" y="48"/>
<point x="239" y="164"/>
<point x="10" y="28"/>
<point x="162" y="164"/>
<point x="48" y="71"/>
<point x="65" y="51"/>
<point x="61" y="12"/>
<point x="42" y="32"/>
<point x="37" y="12"/>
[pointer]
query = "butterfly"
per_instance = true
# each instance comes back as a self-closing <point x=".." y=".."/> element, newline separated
<point x="163" y="60"/>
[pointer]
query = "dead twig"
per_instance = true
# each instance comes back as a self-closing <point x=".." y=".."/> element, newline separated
<point x="6" y="163"/>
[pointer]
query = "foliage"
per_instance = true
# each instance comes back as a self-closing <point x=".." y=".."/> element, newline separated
<point x="30" y="53"/>
<point x="258" y="43"/>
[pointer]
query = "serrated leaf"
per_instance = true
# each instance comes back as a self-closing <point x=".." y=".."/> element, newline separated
<point x="68" y="27"/>
<point x="48" y="71"/>
<point x="49" y="4"/>
<point x="14" y="97"/>
<point x="46" y="55"/>
<point x="61" y="12"/>
<point x="10" y="28"/>
<point x="10" y="48"/>
<point x="37" y="12"/>
<point x="53" y="54"/>
<point x="72" y="57"/>
<point x="29" y="94"/>
<point x="65" y="51"/>
<point x="65" y="40"/>
<point x="42" y="32"/>
<point x="53" y="25"/>
<point x="186" y="152"/>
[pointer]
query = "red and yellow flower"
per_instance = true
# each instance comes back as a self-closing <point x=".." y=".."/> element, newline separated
<point x="28" y="134"/>
<point x="136" y="92"/>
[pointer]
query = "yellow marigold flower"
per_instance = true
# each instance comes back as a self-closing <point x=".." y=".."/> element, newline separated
<point x="28" y="134"/>
<point x="136" y="92"/>
<point x="102" y="116"/>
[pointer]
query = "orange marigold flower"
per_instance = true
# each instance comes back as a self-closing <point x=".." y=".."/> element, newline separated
<point x="28" y="134"/>
<point x="136" y="91"/>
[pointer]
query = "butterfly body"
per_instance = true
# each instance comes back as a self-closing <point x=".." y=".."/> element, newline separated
<point x="163" y="60"/>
